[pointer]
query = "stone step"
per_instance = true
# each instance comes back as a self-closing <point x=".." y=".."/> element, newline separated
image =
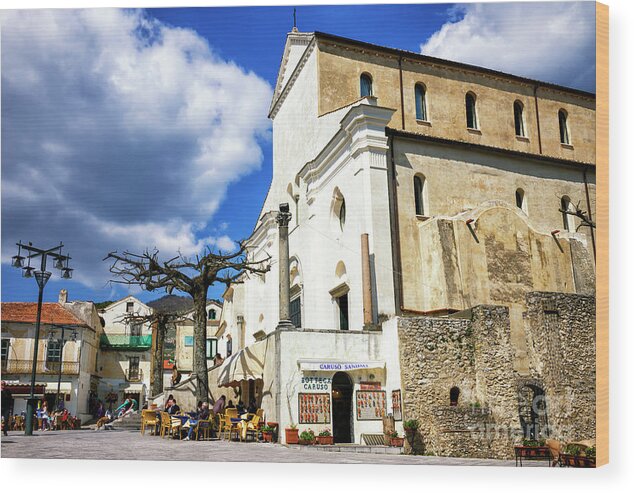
<point x="352" y="448"/>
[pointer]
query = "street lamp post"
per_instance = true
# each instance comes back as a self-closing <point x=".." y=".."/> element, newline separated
<point x="41" y="277"/>
<point x="62" y="343"/>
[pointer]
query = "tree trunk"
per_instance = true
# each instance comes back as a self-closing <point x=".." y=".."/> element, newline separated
<point x="200" y="342"/>
<point x="157" y="357"/>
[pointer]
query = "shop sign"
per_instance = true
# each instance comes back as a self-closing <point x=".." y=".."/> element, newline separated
<point x="316" y="383"/>
<point x="340" y="365"/>
<point x="370" y="385"/>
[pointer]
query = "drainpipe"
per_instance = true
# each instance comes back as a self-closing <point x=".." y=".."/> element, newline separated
<point x="396" y="241"/>
<point x="539" y="133"/>
<point x="585" y="184"/>
<point x="400" y="76"/>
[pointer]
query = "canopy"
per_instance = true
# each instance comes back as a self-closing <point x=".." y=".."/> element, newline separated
<point x="337" y="365"/>
<point x="246" y="364"/>
<point x="64" y="387"/>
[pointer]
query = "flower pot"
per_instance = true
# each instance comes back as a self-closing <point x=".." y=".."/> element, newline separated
<point x="306" y="442"/>
<point x="326" y="440"/>
<point x="267" y="436"/>
<point x="292" y="436"/>
<point x="396" y="442"/>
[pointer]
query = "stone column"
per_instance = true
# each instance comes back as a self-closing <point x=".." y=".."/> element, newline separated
<point x="283" y="219"/>
<point x="366" y="280"/>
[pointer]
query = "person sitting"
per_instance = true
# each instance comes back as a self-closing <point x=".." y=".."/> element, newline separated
<point x="174" y="408"/>
<point x="176" y="376"/>
<point x="193" y="422"/>
<point x="240" y="407"/>
<point x="121" y="410"/>
<point x="253" y="407"/>
<point x="169" y="402"/>
<point x="230" y="404"/>
<point x="219" y="405"/>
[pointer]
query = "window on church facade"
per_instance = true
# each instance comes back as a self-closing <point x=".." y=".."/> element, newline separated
<point x="518" y="113"/>
<point x="564" y="136"/>
<point x="520" y="200"/>
<point x="342" y="304"/>
<point x="419" y="195"/>
<point x="472" y="117"/>
<point x="295" y="311"/>
<point x="366" y="85"/>
<point x="421" y="103"/>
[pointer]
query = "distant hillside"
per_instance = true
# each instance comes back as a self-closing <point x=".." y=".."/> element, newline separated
<point x="172" y="303"/>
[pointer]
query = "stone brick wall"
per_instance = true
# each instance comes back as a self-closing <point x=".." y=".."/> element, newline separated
<point x="476" y="354"/>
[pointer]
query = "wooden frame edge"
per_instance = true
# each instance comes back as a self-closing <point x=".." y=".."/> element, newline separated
<point x="602" y="218"/>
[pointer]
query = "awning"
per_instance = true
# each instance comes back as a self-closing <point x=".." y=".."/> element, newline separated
<point x="337" y="365"/>
<point x="64" y="387"/>
<point x="246" y="364"/>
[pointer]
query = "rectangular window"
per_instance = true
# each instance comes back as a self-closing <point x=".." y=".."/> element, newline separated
<point x="129" y="307"/>
<point x="188" y="341"/>
<point x="54" y="350"/>
<point x="229" y="347"/>
<point x="5" y="349"/>
<point x="133" y="369"/>
<point x="342" y="302"/>
<point x="296" y="312"/>
<point x="211" y="348"/>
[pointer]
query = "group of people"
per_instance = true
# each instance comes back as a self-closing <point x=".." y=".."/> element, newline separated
<point x="105" y="416"/>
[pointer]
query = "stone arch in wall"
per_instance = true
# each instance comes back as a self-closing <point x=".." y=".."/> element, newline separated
<point x="532" y="409"/>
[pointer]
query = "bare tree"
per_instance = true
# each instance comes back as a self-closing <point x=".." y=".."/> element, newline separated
<point x="187" y="275"/>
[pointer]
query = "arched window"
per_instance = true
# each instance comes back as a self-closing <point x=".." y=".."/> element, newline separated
<point x="342" y="213"/>
<point x="212" y="314"/>
<point x="366" y="85"/>
<point x="454" y="393"/>
<point x="470" y="104"/>
<point x="518" y="113"/>
<point x="520" y="201"/>
<point x="568" y="220"/>
<point x="421" y="104"/>
<point x="564" y="136"/>
<point x="419" y="195"/>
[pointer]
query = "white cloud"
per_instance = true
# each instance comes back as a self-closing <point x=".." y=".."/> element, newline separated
<point x="553" y="42"/>
<point x="120" y="132"/>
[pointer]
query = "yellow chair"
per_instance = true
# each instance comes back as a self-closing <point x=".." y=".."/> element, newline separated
<point x="251" y="427"/>
<point x="149" y="419"/>
<point x="229" y="427"/>
<point x="169" y="424"/>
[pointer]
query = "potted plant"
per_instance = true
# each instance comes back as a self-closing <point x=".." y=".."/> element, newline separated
<point x="576" y="455"/>
<point x="292" y="434"/>
<point x="267" y="433"/>
<point x="395" y="440"/>
<point x="307" y="437"/>
<point x="325" y="437"/>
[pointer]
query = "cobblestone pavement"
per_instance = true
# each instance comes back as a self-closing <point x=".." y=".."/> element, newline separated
<point x="90" y="444"/>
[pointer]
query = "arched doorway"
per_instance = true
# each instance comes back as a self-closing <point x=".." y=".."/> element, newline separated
<point x="532" y="411"/>
<point x="342" y="389"/>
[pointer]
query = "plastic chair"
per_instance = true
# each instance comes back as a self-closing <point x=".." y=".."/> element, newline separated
<point x="149" y="419"/>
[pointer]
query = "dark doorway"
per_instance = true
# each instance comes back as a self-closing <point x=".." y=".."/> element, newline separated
<point x="342" y="301"/>
<point x="532" y="412"/>
<point x="342" y="390"/>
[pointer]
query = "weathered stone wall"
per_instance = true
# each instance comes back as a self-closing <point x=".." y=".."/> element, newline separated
<point x="477" y="354"/>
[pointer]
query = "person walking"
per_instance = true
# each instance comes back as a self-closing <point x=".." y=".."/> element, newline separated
<point x="7" y="401"/>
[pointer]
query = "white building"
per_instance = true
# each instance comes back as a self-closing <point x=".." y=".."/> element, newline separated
<point x="124" y="360"/>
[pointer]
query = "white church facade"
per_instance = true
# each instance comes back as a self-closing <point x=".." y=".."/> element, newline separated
<point x="416" y="187"/>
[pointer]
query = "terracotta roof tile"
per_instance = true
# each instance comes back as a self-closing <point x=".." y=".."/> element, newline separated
<point x="52" y="313"/>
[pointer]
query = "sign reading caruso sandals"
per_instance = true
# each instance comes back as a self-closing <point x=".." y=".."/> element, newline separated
<point x="325" y="365"/>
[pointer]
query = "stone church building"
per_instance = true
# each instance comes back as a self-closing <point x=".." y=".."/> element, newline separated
<point x="424" y="268"/>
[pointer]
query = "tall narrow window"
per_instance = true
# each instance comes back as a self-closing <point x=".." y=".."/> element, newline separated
<point x="211" y="315"/>
<point x="520" y="199"/>
<point x="568" y="220"/>
<point x="472" y="118"/>
<point x="342" y="302"/>
<point x="342" y="214"/>
<point x="135" y="329"/>
<point x="419" y="195"/>
<point x="295" y="312"/>
<point x="229" y="347"/>
<point x="129" y="307"/>
<point x="366" y="85"/>
<point x="421" y="104"/>
<point x="564" y="137"/>
<point x="211" y="348"/>
<point x="518" y="112"/>
<point x="5" y="349"/>
<point x="133" y="368"/>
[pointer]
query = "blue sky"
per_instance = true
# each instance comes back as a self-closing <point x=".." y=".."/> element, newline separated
<point x="134" y="129"/>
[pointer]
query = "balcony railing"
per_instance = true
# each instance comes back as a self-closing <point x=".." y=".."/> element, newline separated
<point x="125" y="342"/>
<point x="25" y="366"/>
<point x="134" y="375"/>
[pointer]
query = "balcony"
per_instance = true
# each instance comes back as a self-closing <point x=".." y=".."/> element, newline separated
<point x="25" y="366"/>
<point x="125" y="342"/>
<point x="134" y="375"/>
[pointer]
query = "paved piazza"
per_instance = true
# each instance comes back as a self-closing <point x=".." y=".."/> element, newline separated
<point x="90" y="444"/>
